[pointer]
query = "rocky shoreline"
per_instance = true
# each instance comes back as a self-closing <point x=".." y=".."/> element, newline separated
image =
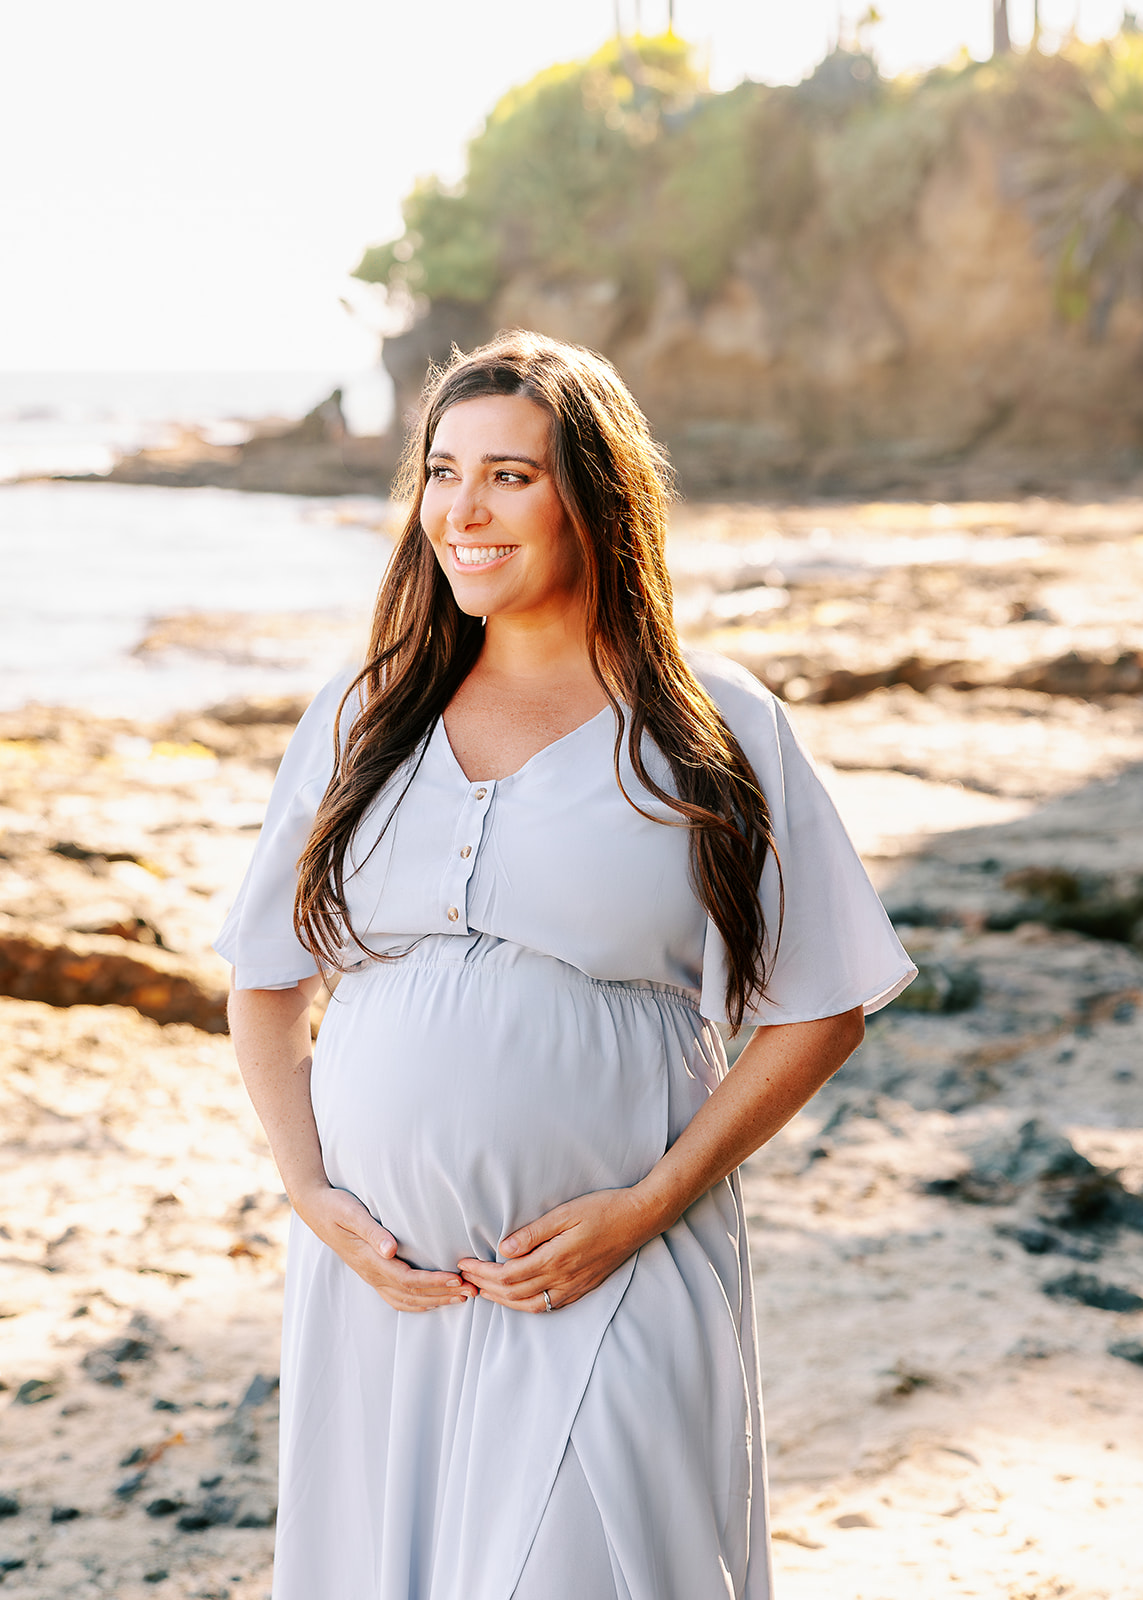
<point x="948" y="1242"/>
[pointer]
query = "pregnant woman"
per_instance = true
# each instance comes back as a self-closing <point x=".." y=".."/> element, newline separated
<point x="547" y="852"/>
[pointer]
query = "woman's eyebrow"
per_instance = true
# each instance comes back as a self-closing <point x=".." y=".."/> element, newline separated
<point x="447" y="455"/>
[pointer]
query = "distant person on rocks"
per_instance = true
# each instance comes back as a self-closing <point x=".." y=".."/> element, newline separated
<point x="544" y="852"/>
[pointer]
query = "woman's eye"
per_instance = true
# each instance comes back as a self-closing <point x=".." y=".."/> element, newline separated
<point x="513" y="477"/>
<point x="439" y="472"/>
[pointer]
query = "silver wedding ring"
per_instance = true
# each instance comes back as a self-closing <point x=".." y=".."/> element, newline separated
<point x="548" y="1302"/>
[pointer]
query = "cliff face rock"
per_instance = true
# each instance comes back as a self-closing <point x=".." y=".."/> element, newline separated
<point x="933" y="354"/>
<point x="315" y="456"/>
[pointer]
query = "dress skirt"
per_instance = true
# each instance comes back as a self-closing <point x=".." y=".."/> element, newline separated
<point x="461" y="1091"/>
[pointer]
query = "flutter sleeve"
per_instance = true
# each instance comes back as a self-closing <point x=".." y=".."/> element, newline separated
<point x="258" y="936"/>
<point x="837" y="948"/>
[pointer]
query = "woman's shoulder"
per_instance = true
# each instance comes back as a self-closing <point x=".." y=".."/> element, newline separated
<point x="734" y="689"/>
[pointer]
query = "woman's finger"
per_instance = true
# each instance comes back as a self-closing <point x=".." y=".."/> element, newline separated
<point x="533" y="1234"/>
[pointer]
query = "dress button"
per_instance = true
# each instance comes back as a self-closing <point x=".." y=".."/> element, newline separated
<point x="453" y="913"/>
<point x="480" y="793"/>
<point x="466" y="852"/>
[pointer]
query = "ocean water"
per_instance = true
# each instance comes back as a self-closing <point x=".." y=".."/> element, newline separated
<point x="136" y="601"/>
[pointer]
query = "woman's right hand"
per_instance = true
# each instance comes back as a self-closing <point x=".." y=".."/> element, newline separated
<point x="340" y="1220"/>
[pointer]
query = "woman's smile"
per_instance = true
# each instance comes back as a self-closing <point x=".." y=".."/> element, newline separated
<point x="480" y="555"/>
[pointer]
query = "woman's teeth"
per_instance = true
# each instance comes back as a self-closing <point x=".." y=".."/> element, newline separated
<point x="477" y="555"/>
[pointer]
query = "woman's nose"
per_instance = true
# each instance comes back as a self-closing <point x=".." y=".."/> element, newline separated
<point x="468" y="509"/>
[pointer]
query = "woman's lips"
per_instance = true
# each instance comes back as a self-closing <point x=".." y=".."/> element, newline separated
<point x="471" y="557"/>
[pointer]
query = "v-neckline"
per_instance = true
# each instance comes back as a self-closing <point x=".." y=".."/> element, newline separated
<point x="544" y="749"/>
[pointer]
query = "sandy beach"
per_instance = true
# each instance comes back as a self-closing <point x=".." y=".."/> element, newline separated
<point x="948" y="1242"/>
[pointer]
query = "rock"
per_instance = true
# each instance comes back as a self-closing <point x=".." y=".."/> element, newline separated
<point x="259" y="711"/>
<point x="316" y="456"/>
<point x="166" y="1405"/>
<point x="258" y="1517"/>
<point x="157" y="1575"/>
<point x="128" y="1349"/>
<point x="163" y="1506"/>
<point x="65" y="1513"/>
<point x="9" y="1506"/>
<point x="93" y="970"/>
<point x="1086" y="676"/>
<point x="1093" y="1200"/>
<point x="215" y="1511"/>
<point x="133" y="1457"/>
<point x="854" y="1519"/>
<point x="259" y="1391"/>
<point x="35" y="1390"/>
<point x="1101" y="905"/>
<point x="1127" y="1350"/>
<point x="1041" y="1242"/>
<point x="12" y="1563"/>
<point x="240" y="1429"/>
<point x="129" y="1488"/>
<point x="1088" y="1290"/>
<point x="941" y="987"/>
<point x="1037" y="1151"/>
<point x="102" y="1367"/>
<point x="211" y="1481"/>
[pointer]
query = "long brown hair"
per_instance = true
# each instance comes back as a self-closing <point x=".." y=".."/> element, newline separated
<point x="615" y="485"/>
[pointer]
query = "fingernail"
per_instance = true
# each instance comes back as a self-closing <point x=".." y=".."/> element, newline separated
<point x="508" y="1248"/>
<point x="454" y="1283"/>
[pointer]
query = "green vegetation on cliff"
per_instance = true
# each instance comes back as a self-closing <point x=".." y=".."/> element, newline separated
<point x="608" y="168"/>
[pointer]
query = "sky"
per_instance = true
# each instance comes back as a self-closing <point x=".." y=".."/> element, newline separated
<point x="186" y="186"/>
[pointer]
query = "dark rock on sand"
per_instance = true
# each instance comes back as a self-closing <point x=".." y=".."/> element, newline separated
<point x="1127" y="1350"/>
<point x="65" y="1513"/>
<point x="163" y="1506"/>
<point x="1042" y="1242"/>
<point x="1102" y="905"/>
<point x="93" y="970"/>
<point x="9" y="1506"/>
<point x="1095" y="1200"/>
<point x="34" y="1390"/>
<point x="1006" y="1163"/>
<point x="1088" y="1290"/>
<point x="259" y="1391"/>
<point x="215" y="1511"/>
<point x="1037" y="1151"/>
<point x="263" y="1516"/>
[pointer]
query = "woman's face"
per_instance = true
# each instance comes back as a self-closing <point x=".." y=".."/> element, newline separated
<point x="492" y="512"/>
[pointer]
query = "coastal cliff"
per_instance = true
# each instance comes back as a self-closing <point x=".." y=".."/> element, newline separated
<point x="851" y="285"/>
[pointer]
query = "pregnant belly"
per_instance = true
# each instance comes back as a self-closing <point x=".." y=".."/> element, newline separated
<point x="459" y="1100"/>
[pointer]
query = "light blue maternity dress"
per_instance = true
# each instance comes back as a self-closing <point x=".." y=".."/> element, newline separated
<point x="548" y="1031"/>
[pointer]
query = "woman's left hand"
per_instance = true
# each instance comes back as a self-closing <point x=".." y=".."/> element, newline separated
<point x="568" y="1252"/>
